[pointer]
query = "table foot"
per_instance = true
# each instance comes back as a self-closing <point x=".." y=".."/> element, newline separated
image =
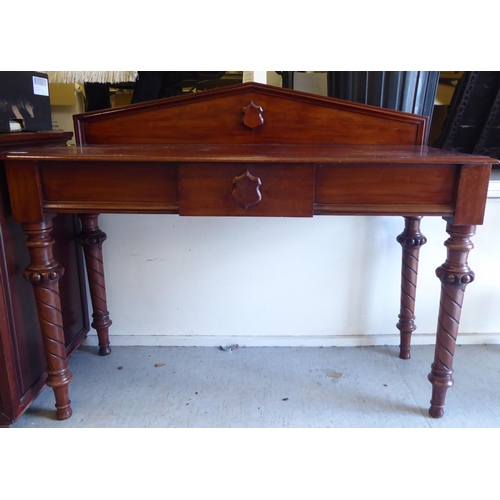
<point x="441" y="381"/>
<point x="102" y="333"/>
<point x="455" y="274"/>
<point x="436" y="411"/>
<point x="404" y="351"/>
<point x="91" y="238"/>
<point x="411" y="239"/>
<point x="63" y="409"/>
<point x="104" y="350"/>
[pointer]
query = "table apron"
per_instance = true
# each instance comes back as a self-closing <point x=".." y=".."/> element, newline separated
<point x="287" y="189"/>
<point x="255" y="189"/>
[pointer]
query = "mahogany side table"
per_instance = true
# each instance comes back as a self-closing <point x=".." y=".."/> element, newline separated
<point x="248" y="150"/>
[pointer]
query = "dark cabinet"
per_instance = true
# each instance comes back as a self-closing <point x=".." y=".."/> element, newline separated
<point x="22" y="360"/>
<point x="473" y="121"/>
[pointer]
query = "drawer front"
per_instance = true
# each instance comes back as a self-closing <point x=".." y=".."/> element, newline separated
<point x="242" y="189"/>
<point x="390" y="184"/>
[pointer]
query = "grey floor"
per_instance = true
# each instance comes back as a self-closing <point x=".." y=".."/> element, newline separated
<point x="271" y="387"/>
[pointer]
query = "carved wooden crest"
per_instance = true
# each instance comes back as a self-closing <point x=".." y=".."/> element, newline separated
<point x="252" y="116"/>
<point x="246" y="190"/>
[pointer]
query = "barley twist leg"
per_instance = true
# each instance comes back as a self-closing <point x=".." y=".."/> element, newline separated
<point x="455" y="274"/>
<point x="411" y="239"/>
<point x="43" y="272"/>
<point x="91" y="238"/>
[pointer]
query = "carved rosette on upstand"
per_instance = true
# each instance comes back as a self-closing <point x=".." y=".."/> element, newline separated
<point x="411" y="239"/>
<point x="91" y="238"/>
<point x="43" y="272"/>
<point x="455" y="274"/>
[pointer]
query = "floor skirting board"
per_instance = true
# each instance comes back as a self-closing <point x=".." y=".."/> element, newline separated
<point x="285" y="341"/>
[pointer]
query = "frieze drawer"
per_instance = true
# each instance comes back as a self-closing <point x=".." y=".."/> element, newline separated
<point x="243" y="189"/>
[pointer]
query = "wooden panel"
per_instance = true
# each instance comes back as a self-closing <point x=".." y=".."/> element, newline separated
<point x="361" y="184"/>
<point x="287" y="190"/>
<point x="100" y="184"/>
<point x="215" y="117"/>
<point x="471" y="195"/>
<point x="25" y="198"/>
<point x="402" y="209"/>
<point x="21" y="141"/>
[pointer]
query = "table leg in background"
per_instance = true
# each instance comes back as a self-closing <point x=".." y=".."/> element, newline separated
<point x="411" y="239"/>
<point x="92" y="238"/>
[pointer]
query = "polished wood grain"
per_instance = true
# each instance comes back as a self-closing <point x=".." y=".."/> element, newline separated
<point x="96" y="183"/>
<point x="455" y="274"/>
<point x="23" y="363"/>
<point x="358" y="179"/>
<point x="246" y="190"/>
<point x="285" y="190"/>
<point x="411" y="239"/>
<point x="255" y="153"/>
<point x="28" y="207"/>
<point x="91" y="238"/>
<point x="252" y="116"/>
<point x="297" y="155"/>
<point x="215" y="117"/>
<point x="44" y="272"/>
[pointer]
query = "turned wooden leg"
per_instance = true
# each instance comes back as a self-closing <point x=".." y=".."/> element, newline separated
<point x="455" y="274"/>
<point x="43" y="273"/>
<point x="411" y="239"/>
<point x="91" y="238"/>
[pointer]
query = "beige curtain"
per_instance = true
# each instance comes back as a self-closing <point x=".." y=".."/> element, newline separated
<point x="91" y="76"/>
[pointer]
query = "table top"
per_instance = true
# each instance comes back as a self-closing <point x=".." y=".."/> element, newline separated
<point x="254" y="153"/>
<point x="14" y="140"/>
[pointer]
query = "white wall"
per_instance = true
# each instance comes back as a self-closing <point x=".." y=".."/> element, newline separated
<point x="255" y="281"/>
<point x="258" y="281"/>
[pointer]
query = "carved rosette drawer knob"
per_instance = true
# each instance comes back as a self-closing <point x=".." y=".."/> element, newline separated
<point x="246" y="190"/>
<point x="252" y="116"/>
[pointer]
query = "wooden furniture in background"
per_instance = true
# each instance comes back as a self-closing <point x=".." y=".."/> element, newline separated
<point x="22" y="360"/>
<point x="249" y="150"/>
